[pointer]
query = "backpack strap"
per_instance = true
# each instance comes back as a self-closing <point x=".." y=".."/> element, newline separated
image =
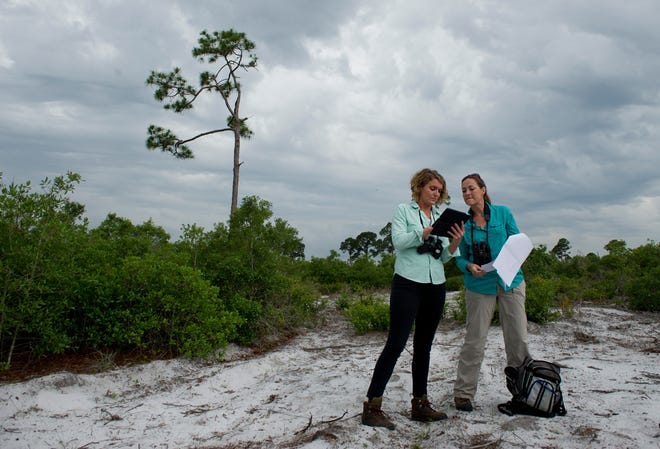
<point x="560" y="409"/>
<point x="506" y="408"/>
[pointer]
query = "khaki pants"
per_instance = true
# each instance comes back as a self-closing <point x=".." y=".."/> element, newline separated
<point x="480" y="310"/>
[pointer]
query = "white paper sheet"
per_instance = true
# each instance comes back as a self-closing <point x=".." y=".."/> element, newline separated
<point x="488" y="267"/>
<point x="514" y="252"/>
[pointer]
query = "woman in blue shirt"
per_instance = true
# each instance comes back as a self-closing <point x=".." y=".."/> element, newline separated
<point x="417" y="295"/>
<point x="485" y="233"/>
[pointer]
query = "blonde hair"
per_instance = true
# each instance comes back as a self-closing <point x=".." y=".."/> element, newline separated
<point x="423" y="177"/>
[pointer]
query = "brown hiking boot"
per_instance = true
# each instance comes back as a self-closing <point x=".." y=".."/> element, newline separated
<point x="422" y="410"/>
<point x="463" y="404"/>
<point x="374" y="416"/>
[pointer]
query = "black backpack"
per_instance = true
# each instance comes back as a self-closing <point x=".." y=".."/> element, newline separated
<point x="536" y="389"/>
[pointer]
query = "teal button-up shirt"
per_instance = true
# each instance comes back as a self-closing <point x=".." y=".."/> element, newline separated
<point x="407" y="226"/>
<point x="501" y="225"/>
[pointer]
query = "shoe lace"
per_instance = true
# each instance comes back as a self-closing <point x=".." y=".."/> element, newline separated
<point x="377" y="411"/>
<point x="425" y="403"/>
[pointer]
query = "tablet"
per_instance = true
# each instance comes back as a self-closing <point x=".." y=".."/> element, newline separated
<point x="446" y="221"/>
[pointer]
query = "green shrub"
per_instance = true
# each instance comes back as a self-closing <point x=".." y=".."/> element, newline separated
<point x="256" y="264"/>
<point x="39" y="235"/>
<point x="330" y="272"/>
<point x="344" y="301"/>
<point x="249" y="311"/>
<point x="644" y="292"/>
<point x="369" y="314"/>
<point x="454" y="283"/>
<point x="540" y="305"/>
<point x="334" y="274"/>
<point x="365" y="274"/>
<point x="594" y="293"/>
<point x="294" y="305"/>
<point x="301" y="303"/>
<point x="159" y="305"/>
<point x="542" y="299"/>
<point x="152" y="305"/>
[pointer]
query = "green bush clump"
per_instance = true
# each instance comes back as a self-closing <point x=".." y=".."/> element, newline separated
<point x="330" y="272"/>
<point x="125" y="287"/>
<point x="343" y="301"/>
<point x="256" y="264"/>
<point x="250" y="311"/>
<point x="160" y="304"/>
<point x="334" y="275"/>
<point x="369" y="313"/>
<point x="594" y="293"/>
<point x="39" y="236"/>
<point x="644" y="292"/>
<point x="295" y="305"/>
<point x="454" y="283"/>
<point x="541" y="301"/>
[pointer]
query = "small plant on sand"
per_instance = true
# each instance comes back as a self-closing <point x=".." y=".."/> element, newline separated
<point x="369" y="313"/>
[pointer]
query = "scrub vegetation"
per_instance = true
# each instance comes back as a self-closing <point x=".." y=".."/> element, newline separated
<point x="124" y="287"/>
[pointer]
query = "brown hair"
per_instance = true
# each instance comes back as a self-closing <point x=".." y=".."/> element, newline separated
<point x="423" y="177"/>
<point x="480" y="182"/>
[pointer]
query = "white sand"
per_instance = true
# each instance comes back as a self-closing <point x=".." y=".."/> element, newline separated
<point x="309" y="393"/>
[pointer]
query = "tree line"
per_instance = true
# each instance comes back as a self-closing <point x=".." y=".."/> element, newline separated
<point x="123" y="287"/>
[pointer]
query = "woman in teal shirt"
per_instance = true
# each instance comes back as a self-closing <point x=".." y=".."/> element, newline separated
<point x="485" y="233"/>
<point x="417" y="295"/>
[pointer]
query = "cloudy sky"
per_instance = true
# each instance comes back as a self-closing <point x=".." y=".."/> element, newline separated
<point x="556" y="104"/>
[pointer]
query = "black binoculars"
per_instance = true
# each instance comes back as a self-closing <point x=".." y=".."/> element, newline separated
<point x="481" y="253"/>
<point x="434" y="247"/>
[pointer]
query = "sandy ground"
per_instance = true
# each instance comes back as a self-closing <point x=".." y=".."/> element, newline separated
<point x="309" y="393"/>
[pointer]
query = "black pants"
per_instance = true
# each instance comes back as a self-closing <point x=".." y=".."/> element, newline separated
<point x="410" y="302"/>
